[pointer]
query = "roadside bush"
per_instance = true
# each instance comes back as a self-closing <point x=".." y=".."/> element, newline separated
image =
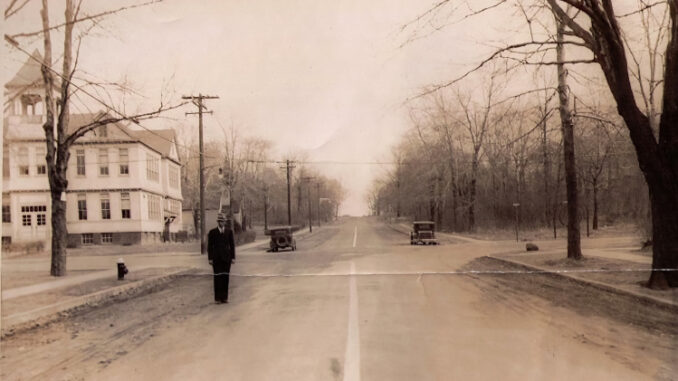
<point x="26" y="247"/>
<point x="181" y="236"/>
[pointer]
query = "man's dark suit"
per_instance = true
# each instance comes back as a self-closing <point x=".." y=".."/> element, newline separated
<point x="221" y="251"/>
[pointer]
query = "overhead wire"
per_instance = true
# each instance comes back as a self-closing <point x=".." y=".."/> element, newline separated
<point x="106" y="105"/>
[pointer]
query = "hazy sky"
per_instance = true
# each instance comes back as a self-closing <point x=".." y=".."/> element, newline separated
<point x="327" y="77"/>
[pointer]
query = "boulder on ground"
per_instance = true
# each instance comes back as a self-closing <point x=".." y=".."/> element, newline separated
<point x="531" y="247"/>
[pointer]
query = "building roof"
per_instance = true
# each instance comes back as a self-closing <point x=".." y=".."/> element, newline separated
<point x="160" y="140"/>
<point x="75" y="121"/>
<point x="29" y="74"/>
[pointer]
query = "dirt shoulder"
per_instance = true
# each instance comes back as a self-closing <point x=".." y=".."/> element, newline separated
<point x="45" y="298"/>
<point x="616" y="273"/>
<point x="80" y="343"/>
<point x="648" y="328"/>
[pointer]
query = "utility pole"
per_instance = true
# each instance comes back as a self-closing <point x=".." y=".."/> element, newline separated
<point x="198" y="101"/>
<point x="265" y="208"/>
<point x="307" y="180"/>
<point x="289" y="200"/>
<point x="317" y="186"/>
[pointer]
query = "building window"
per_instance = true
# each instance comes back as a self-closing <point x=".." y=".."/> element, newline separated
<point x="80" y="155"/>
<point x="103" y="161"/>
<point x="23" y="161"/>
<point x="40" y="161"/>
<point x="125" y="205"/>
<point x="105" y="207"/>
<point x="154" y="207"/>
<point x="106" y="237"/>
<point x="5" y="161"/>
<point x="152" y="168"/>
<point x="82" y="206"/>
<point x="87" y="239"/>
<point x="33" y="208"/>
<point x="26" y="220"/>
<point x="6" y="213"/>
<point x="6" y="241"/>
<point x="42" y="219"/>
<point x="123" y="158"/>
<point x="102" y="132"/>
<point x="174" y="207"/>
<point x="173" y="176"/>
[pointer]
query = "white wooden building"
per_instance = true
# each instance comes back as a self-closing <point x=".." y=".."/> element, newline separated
<point x="123" y="184"/>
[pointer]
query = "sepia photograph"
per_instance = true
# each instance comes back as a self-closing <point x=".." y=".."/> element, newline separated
<point x="339" y="190"/>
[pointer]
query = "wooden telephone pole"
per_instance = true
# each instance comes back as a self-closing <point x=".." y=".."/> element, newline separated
<point x="265" y="208"/>
<point x="198" y="101"/>
<point x="307" y="180"/>
<point x="317" y="187"/>
<point x="289" y="201"/>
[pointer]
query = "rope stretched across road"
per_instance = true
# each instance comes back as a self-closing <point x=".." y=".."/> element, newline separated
<point x="419" y="273"/>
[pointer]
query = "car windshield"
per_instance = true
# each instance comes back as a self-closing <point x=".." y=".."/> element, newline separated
<point x="423" y="227"/>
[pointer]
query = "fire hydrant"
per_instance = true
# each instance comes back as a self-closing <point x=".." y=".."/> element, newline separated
<point x="122" y="269"/>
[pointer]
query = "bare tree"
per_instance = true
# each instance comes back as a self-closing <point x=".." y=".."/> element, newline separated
<point x="476" y="120"/>
<point x="59" y="138"/>
<point x="658" y="159"/>
<point x="595" y="27"/>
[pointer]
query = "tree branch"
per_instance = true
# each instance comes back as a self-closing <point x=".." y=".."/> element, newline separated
<point x="570" y="23"/>
<point x="105" y="119"/>
<point x="84" y="18"/>
<point x="9" y="12"/>
<point x="642" y="9"/>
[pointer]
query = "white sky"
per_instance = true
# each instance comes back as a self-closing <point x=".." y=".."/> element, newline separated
<point x="326" y="76"/>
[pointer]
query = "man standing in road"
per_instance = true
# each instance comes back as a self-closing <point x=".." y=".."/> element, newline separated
<point x="221" y="253"/>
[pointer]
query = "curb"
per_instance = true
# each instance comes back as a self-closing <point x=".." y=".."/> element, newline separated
<point x="642" y="298"/>
<point x="43" y="315"/>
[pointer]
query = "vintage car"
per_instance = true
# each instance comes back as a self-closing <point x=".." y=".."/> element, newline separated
<point x="423" y="232"/>
<point x="281" y="238"/>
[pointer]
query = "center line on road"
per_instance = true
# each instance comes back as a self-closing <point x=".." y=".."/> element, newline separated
<point x="352" y="356"/>
<point x="355" y="235"/>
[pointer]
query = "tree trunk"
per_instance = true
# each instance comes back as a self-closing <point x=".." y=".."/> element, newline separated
<point x="554" y="214"/>
<point x="546" y="172"/>
<point x="453" y="190"/>
<point x="664" y="237"/>
<point x="573" y="234"/>
<point x="398" y="198"/>
<point x="57" y="154"/>
<point x="595" y="204"/>
<point x="588" y="225"/>
<point x="59" y="235"/>
<point x="472" y="200"/>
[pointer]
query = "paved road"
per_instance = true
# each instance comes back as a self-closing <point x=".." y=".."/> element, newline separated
<point x="318" y="322"/>
<point x="356" y="302"/>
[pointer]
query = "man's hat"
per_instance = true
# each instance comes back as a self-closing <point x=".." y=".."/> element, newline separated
<point x="221" y="217"/>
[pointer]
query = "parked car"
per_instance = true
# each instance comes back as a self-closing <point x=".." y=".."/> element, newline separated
<point x="423" y="232"/>
<point x="281" y="238"/>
